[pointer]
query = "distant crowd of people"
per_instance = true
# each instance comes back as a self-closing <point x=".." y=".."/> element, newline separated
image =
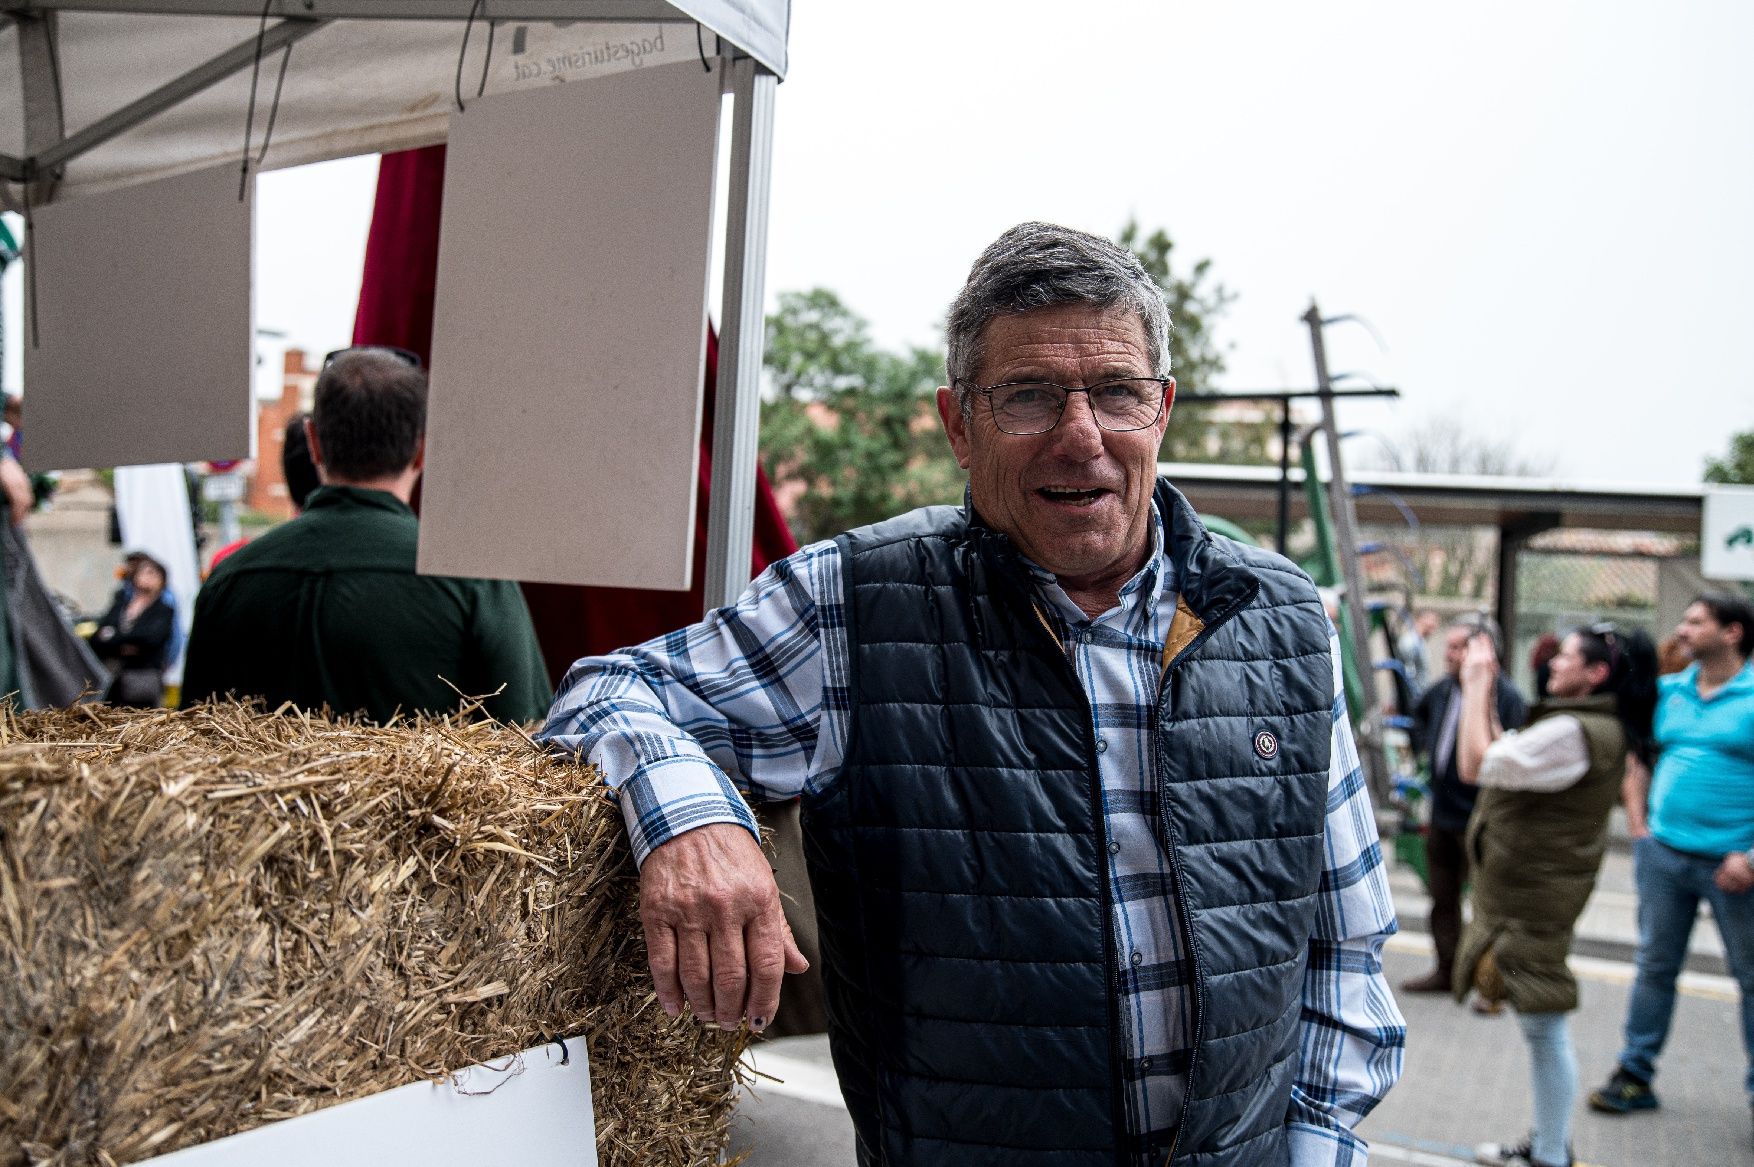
<point x="1519" y="806"/>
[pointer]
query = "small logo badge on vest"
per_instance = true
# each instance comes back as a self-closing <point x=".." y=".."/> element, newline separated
<point x="1266" y="745"/>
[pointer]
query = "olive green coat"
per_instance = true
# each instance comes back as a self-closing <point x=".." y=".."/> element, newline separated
<point x="1535" y="858"/>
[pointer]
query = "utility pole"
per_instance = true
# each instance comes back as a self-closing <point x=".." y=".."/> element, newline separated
<point x="1369" y="721"/>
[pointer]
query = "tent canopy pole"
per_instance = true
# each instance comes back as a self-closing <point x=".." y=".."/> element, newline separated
<point x="737" y="413"/>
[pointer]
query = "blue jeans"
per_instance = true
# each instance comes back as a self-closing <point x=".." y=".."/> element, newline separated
<point x="1670" y="885"/>
<point x="1553" y="1075"/>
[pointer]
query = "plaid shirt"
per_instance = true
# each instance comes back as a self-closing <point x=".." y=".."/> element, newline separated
<point x="755" y="698"/>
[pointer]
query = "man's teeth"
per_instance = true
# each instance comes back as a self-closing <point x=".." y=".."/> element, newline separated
<point x="1071" y="493"/>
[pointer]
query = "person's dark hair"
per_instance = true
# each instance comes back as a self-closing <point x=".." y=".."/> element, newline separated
<point x="295" y="462"/>
<point x="1541" y="659"/>
<point x="1729" y="608"/>
<point x="135" y="560"/>
<point x="1631" y="658"/>
<point x="1041" y="265"/>
<point x="369" y="414"/>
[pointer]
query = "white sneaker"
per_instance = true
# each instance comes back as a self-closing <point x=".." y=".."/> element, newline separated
<point x="1511" y="1155"/>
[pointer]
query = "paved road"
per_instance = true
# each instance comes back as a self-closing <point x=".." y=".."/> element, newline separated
<point x="1466" y="1081"/>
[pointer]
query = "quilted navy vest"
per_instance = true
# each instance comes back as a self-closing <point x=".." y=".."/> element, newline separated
<point x="958" y="859"/>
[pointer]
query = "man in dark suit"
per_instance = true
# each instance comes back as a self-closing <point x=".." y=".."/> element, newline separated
<point x="1435" y="718"/>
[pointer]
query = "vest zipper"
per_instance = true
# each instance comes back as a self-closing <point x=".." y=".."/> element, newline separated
<point x="1110" y="970"/>
<point x="1175" y="866"/>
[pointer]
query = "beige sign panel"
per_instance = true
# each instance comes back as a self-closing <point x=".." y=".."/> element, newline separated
<point x="143" y="349"/>
<point x="570" y="332"/>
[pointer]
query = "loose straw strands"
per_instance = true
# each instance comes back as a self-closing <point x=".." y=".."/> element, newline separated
<point x="217" y="918"/>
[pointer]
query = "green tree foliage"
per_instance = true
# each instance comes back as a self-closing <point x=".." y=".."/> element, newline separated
<point x="1735" y="466"/>
<point x="1197" y="433"/>
<point x="851" y="436"/>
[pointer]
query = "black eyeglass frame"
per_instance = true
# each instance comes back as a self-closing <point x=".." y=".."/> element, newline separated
<point x="987" y="391"/>
<point x="407" y="356"/>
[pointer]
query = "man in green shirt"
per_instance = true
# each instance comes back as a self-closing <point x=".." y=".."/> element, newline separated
<point x="327" y="609"/>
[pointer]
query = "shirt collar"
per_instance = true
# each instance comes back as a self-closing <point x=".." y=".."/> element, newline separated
<point x="343" y="497"/>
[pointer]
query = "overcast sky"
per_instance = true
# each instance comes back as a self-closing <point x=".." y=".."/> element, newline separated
<point x="1544" y="209"/>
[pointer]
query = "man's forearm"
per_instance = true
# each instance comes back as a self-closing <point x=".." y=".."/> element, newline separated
<point x="1475" y="732"/>
<point x="1635" y="794"/>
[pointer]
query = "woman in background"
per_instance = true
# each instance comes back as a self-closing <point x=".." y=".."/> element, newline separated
<point x="1536" y="842"/>
<point x="133" y="635"/>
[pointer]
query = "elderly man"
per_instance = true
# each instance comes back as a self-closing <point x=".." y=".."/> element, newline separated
<point x="1096" y="877"/>
<point x="328" y="610"/>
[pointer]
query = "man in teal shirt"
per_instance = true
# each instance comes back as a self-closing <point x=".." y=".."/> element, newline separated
<point x="1694" y="843"/>
<point x="327" y="609"/>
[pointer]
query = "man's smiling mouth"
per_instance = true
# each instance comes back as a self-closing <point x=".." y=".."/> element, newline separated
<point x="1075" y="495"/>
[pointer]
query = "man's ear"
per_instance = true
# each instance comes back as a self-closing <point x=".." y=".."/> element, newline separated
<point x="955" y="424"/>
<point x="1168" y="405"/>
<point x="419" y="461"/>
<point x="316" y="451"/>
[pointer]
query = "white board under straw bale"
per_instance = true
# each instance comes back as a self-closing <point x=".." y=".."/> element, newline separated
<point x="214" y="919"/>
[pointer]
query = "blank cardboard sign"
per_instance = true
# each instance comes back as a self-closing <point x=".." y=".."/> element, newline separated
<point x="533" y="1108"/>
<point x="569" y="334"/>
<point x="144" y="351"/>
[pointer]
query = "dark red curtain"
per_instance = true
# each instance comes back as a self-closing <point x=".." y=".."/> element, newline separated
<point x="395" y="308"/>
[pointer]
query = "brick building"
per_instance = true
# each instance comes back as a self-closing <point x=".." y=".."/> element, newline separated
<point x="267" y="492"/>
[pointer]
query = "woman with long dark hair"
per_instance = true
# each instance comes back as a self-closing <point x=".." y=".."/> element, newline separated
<point x="1536" y="842"/>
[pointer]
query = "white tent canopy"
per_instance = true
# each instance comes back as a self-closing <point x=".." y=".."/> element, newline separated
<point x="364" y="76"/>
<point x="99" y="94"/>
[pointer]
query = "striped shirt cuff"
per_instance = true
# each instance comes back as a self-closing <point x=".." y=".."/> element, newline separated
<point x="695" y="793"/>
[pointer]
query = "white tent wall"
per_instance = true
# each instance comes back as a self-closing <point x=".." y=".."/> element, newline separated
<point x="152" y="511"/>
<point x="107" y="93"/>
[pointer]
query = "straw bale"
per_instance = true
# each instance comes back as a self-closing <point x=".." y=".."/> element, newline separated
<point x="217" y="918"/>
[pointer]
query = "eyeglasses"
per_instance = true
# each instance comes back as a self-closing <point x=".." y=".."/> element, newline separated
<point x="1034" y="407"/>
<point x="406" y="356"/>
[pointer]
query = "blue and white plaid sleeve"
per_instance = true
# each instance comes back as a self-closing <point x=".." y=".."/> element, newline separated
<point x="1353" y="1033"/>
<point x="741" y="701"/>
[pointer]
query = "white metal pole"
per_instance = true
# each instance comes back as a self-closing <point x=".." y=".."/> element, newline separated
<point x="737" y="413"/>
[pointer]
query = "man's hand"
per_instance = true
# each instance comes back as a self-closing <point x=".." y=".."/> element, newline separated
<point x="714" y="929"/>
<point x="1735" y="875"/>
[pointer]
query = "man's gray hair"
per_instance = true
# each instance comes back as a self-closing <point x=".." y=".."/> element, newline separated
<point x="1040" y="265"/>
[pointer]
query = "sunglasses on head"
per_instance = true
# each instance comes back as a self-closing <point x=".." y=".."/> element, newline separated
<point x="1608" y="635"/>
